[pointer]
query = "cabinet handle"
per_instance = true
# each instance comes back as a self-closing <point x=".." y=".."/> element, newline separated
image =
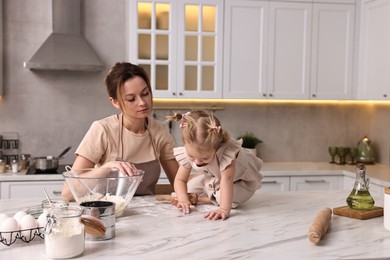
<point x="314" y="95"/>
<point x="314" y="181"/>
<point x="180" y="94"/>
<point x="56" y="192"/>
<point x="271" y="95"/>
<point x="385" y="95"/>
<point x="264" y="95"/>
<point x="173" y="93"/>
<point x="269" y="182"/>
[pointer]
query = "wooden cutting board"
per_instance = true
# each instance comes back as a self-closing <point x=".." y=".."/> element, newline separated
<point x="358" y="214"/>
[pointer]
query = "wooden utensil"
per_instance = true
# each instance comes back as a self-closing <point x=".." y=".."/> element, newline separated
<point x="320" y="225"/>
<point x="93" y="226"/>
<point x="194" y="198"/>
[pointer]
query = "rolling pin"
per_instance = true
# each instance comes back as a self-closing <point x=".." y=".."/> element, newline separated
<point x="320" y="225"/>
<point x="193" y="197"/>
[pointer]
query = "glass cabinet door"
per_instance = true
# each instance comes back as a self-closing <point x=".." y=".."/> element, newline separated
<point x="200" y="42"/>
<point x="177" y="43"/>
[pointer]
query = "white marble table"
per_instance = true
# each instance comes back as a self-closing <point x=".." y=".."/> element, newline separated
<point x="269" y="226"/>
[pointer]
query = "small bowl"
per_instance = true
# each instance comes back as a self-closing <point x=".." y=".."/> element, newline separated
<point x="103" y="184"/>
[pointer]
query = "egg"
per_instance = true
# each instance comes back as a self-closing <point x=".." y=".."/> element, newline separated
<point x="3" y="217"/>
<point x="18" y="216"/>
<point x="9" y="225"/>
<point x="28" y="222"/>
<point x="42" y="220"/>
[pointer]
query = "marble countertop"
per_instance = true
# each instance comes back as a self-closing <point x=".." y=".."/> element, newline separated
<point x="271" y="225"/>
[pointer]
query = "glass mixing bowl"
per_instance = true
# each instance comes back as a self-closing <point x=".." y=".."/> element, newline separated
<point x="103" y="184"/>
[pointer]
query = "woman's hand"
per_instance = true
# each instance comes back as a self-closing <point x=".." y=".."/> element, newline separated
<point x="125" y="168"/>
<point x="185" y="206"/>
<point x="219" y="213"/>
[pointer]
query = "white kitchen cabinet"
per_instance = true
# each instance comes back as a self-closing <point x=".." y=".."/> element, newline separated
<point x="289" y="49"/>
<point x="275" y="184"/>
<point x="30" y="189"/>
<point x="245" y="49"/>
<point x="300" y="183"/>
<point x="332" y="50"/>
<point x="179" y="44"/>
<point x="374" y="54"/>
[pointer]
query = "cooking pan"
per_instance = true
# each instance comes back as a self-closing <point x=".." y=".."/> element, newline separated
<point x="49" y="163"/>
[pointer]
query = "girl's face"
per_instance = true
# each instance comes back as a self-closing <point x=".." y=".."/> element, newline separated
<point x="137" y="98"/>
<point x="200" y="157"/>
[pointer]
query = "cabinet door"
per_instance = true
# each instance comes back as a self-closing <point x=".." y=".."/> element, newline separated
<point x="31" y="189"/>
<point x="179" y="44"/>
<point x="275" y="184"/>
<point x="245" y="43"/>
<point x="332" y="51"/>
<point x="374" y="57"/>
<point x="289" y="50"/>
<point x="315" y="183"/>
<point x="200" y="38"/>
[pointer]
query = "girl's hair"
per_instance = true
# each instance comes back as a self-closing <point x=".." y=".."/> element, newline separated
<point x="201" y="129"/>
<point x="119" y="74"/>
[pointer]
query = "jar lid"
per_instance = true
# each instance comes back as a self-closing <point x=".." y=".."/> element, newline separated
<point x="387" y="190"/>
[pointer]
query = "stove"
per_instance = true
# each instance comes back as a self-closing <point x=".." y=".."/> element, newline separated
<point x="60" y="170"/>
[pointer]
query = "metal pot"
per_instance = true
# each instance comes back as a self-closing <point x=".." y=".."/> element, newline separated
<point x="49" y="163"/>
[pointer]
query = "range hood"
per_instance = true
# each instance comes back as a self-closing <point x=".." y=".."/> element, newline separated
<point x="65" y="48"/>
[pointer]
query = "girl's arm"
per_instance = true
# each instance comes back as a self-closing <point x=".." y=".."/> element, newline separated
<point x="180" y="186"/>
<point x="170" y="168"/>
<point x="226" y="193"/>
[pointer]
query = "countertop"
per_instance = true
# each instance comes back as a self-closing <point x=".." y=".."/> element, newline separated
<point x="379" y="174"/>
<point x="271" y="225"/>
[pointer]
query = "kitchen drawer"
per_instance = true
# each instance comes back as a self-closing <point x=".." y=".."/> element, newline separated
<point x="315" y="183"/>
<point x="275" y="184"/>
<point x="30" y="189"/>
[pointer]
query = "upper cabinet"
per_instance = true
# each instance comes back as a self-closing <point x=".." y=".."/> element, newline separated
<point x="288" y="50"/>
<point x="179" y="44"/>
<point x="374" y="55"/>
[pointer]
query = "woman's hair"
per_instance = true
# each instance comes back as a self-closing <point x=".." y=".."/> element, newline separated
<point x="201" y="128"/>
<point x="119" y="74"/>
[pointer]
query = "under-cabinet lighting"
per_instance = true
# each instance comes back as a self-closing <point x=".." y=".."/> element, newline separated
<point x="189" y="102"/>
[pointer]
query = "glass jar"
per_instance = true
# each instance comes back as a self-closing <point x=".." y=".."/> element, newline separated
<point x="15" y="166"/>
<point x="64" y="232"/>
<point x="24" y="161"/>
<point x="360" y="198"/>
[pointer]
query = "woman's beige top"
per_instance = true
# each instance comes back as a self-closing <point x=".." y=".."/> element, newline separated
<point x="100" y="144"/>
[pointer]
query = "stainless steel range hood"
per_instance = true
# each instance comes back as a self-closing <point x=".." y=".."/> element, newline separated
<point x="65" y="48"/>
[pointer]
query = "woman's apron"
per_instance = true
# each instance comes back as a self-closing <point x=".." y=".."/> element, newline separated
<point x="152" y="168"/>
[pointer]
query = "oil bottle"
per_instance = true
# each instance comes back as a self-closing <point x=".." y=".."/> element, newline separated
<point x="360" y="198"/>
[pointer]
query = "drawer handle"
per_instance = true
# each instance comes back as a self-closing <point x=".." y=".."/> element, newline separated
<point x="56" y="192"/>
<point x="315" y="181"/>
<point x="270" y="182"/>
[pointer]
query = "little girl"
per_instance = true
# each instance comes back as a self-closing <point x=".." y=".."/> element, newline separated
<point x="225" y="172"/>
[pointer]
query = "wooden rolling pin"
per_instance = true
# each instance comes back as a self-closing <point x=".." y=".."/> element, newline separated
<point x="320" y="225"/>
<point x="194" y="198"/>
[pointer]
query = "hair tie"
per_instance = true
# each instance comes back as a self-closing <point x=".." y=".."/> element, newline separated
<point x="183" y="120"/>
<point x="217" y="128"/>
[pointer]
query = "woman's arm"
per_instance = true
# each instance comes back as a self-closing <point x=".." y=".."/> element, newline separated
<point x="170" y="168"/>
<point x="226" y="194"/>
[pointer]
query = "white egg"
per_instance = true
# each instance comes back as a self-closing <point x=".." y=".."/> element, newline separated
<point x="19" y="215"/>
<point x="3" y="217"/>
<point x="9" y="225"/>
<point x="42" y="220"/>
<point x="28" y="222"/>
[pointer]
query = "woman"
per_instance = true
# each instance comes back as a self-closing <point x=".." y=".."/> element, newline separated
<point x="131" y="139"/>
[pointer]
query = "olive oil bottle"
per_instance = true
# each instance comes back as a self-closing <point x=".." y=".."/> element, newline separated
<point x="360" y="198"/>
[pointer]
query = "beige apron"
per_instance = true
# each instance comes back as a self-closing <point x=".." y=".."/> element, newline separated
<point x="152" y="168"/>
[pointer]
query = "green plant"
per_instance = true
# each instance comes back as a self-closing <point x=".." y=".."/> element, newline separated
<point x="249" y="140"/>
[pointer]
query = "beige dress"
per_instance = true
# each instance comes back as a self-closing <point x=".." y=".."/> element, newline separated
<point x="102" y="144"/>
<point x="207" y="179"/>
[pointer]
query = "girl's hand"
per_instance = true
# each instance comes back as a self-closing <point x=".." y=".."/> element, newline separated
<point x="219" y="213"/>
<point x="125" y="168"/>
<point x="184" y="205"/>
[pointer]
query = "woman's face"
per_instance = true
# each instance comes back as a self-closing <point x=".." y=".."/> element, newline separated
<point x="137" y="98"/>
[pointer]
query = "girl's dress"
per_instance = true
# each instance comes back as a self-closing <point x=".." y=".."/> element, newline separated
<point x="207" y="179"/>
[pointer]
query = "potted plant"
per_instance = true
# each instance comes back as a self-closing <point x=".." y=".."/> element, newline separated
<point x="250" y="141"/>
